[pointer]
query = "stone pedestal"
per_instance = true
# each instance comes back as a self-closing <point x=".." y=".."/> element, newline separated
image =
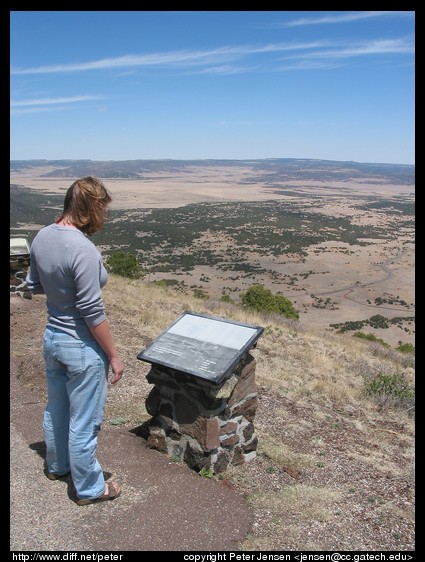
<point x="206" y="425"/>
<point x="19" y="266"/>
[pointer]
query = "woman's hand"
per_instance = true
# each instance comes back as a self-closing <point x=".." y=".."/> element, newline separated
<point x="117" y="367"/>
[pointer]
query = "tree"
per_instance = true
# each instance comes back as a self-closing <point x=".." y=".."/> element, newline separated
<point x="261" y="299"/>
<point x="124" y="264"/>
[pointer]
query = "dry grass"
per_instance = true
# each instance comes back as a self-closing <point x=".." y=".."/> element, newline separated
<point x="334" y="467"/>
<point x="334" y="470"/>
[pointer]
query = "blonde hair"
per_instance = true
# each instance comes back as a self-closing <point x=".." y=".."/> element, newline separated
<point x="85" y="204"/>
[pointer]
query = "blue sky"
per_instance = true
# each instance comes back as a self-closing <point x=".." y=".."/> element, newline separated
<point x="125" y="85"/>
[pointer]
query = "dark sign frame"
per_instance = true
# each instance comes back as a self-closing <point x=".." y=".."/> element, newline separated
<point x="202" y="345"/>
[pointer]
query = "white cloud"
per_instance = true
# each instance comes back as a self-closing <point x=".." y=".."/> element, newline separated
<point x="53" y="101"/>
<point x="344" y="17"/>
<point x="218" y="60"/>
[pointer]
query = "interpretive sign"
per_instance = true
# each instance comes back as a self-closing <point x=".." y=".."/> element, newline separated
<point x="202" y="345"/>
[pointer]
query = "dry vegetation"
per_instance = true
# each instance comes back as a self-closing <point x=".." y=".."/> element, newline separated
<point x="333" y="282"/>
<point x="335" y="468"/>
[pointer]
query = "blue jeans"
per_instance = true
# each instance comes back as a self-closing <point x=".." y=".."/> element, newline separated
<point x="77" y="376"/>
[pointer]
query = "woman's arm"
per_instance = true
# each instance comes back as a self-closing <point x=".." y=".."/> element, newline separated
<point x="103" y="336"/>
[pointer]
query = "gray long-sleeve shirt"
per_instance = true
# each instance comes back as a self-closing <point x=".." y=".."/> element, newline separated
<point x="68" y="268"/>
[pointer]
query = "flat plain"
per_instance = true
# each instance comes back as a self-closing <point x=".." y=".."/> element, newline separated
<point x="333" y="280"/>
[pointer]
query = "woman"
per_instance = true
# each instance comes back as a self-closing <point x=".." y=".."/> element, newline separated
<point x="78" y="345"/>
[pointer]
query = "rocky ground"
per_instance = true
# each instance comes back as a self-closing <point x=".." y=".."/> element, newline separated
<point x="328" y="475"/>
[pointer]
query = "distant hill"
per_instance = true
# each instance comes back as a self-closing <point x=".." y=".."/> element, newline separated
<point x="282" y="169"/>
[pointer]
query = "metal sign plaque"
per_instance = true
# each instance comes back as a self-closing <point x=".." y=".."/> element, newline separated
<point x="202" y="345"/>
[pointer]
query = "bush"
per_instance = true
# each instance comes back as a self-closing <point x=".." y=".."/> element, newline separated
<point x="226" y="298"/>
<point x="200" y="294"/>
<point x="261" y="299"/>
<point x="166" y="282"/>
<point x="406" y="348"/>
<point x="124" y="264"/>
<point x="391" y="390"/>
<point x="370" y="337"/>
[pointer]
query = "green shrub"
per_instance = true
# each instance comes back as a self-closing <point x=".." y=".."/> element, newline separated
<point x="124" y="264"/>
<point x="406" y="348"/>
<point x="166" y="282"/>
<point x="206" y="472"/>
<point x="370" y="337"/>
<point x="200" y="294"/>
<point x="391" y="390"/>
<point x="261" y="299"/>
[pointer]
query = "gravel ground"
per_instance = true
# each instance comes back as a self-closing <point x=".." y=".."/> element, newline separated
<point x="329" y="476"/>
<point x="28" y="512"/>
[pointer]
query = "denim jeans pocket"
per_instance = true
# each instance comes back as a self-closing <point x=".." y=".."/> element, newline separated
<point x="71" y="354"/>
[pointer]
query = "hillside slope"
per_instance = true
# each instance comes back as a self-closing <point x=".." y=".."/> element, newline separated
<point x="335" y="468"/>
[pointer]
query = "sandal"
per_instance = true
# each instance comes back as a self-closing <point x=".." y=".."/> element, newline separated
<point x="114" y="490"/>
<point x="55" y="476"/>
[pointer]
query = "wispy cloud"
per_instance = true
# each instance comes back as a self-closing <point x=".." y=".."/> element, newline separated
<point x="53" y="101"/>
<point x="342" y="18"/>
<point x="174" y="58"/>
<point x="307" y="64"/>
<point x="224" y="69"/>
<point x="220" y="60"/>
<point x="38" y="105"/>
<point x="37" y="109"/>
<point x="378" y="47"/>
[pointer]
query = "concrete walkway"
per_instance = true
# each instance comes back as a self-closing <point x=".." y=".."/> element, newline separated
<point x="164" y="506"/>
